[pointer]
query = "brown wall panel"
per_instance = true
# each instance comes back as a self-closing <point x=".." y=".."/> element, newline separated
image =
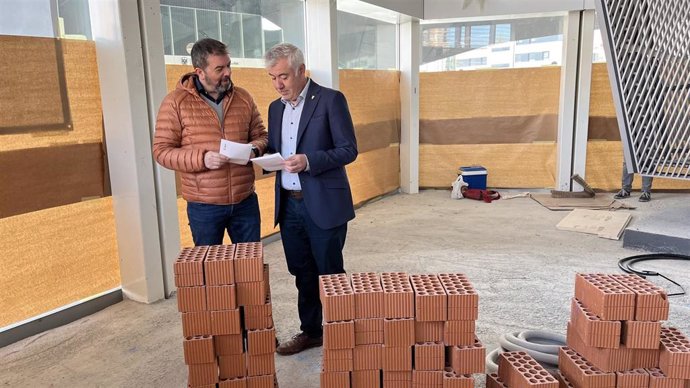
<point x="372" y="95"/>
<point x="374" y="173"/>
<point x="56" y="256"/>
<point x="489" y="93"/>
<point x="508" y="165"/>
<point x="489" y="130"/>
<point x="600" y="97"/>
<point x="40" y="178"/>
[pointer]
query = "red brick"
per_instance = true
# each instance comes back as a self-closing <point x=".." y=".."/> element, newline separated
<point x="263" y="381"/>
<point x="198" y="350"/>
<point x="427" y="378"/>
<point x="218" y="265"/>
<point x="398" y="332"/>
<point x="188" y="268"/>
<point x="335" y="379"/>
<point x="593" y="330"/>
<point x="636" y="378"/>
<point x="261" y="364"/>
<point x="431" y="301"/>
<point x="581" y="373"/>
<point x="368" y="331"/>
<point x="261" y="341"/>
<point x="563" y="381"/>
<point x="519" y="369"/>
<point x="196" y="323"/>
<point x="232" y="366"/>
<point x="397" y="379"/>
<point x="468" y="359"/>
<point x="455" y="380"/>
<point x="366" y="378"/>
<point x="428" y="331"/>
<point x="605" y="297"/>
<point x="641" y="334"/>
<point x="190" y="299"/>
<point x="674" y="358"/>
<point x="339" y="335"/>
<point x="239" y="382"/>
<point x="367" y="357"/>
<point x="249" y="262"/>
<point x="658" y="379"/>
<point x="398" y="296"/>
<point x="494" y="381"/>
<point x="226" y="322"/>
<point x="429" y="356"/>
<point x="397" y="358"/>
<point x="227" y="345"/>
<point x="368" y="295"/>
<point x="251" y="293"/>
<point x="608" y="360"/>
<point x="463" y="300"/>
<point x="221" y="297"/>
<point x="337" y="297"/>
<point x="651" y="301"/>
<point x="458" y="333"/>
<point x="337" y="360"/>
<point x="203" y="374"/>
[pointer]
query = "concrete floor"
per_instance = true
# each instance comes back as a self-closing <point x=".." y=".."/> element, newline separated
<point x="521" y="265"/>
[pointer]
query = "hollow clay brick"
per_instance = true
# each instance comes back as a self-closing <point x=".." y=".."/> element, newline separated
<point x="641" y="334"/>
<point x="232" y="366"/>
<point x="674" y="357"/>
<point x="198" y="350"/>
<point x="221" y="297"/>
<point x="455" y="380"/>
<point x="337" y="360"/>
<point x="651" y="301"/>
<point x="368" y="331"/>
<point x="196" y="323"/>
<point x="203" y="374"/>
<point x="608" y="360"/>
<point x="366" y="378"/>
<point x="191" y="299"/>
<point x="494" y="381"/>
<point x="227" y="345"/>
<point x="605" y="297"/>
<point x="367" y="357"/>
<point x="254" y="323"/>
<point x="634" y="378"/>
<point x="463" y="300"/>
<point x="397" y="358"/>
<point x="335" y="379"/>
<point x="219" y="265"/>
<point x="368" y="295"/>
<point x="264" y="381"/>
<point x="427" y="379"/>
<point x="429" y="356"/>
<point x="267" y="283"/>
<point x="398" y="296"/>
<point x="188" y="268"/>
<point x="431" y="301"/>
<point x="581" y="373"/>
<point x="261" y="341"/>
<point x="238" y="382"/>
<point x="563" y="381"/>
<point x="339" y="335"/>
<point x="519" y="369"/>
<point x="251" y="293"/>
<point x="261" y="364"/>
<point x="658" y="379"/>
<point x="337" y="297"/>
<point x="226" y="322"/>
<point x="593" y="330"/>
<point x="398" y="332"/>
<point x="468" y="359"/>
<point x="258" y="316"/>
<point x="458" y="333"/>
<point x="645" y="358"/>
<point x="397" y="379"/>
<point x="428" y="331"/>
<point x="249" y="262"/>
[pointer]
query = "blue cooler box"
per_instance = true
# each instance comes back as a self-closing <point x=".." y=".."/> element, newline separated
<point x="474" y="176"/>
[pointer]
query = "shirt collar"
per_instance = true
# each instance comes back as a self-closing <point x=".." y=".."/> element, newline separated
<point x="301" y="96"/>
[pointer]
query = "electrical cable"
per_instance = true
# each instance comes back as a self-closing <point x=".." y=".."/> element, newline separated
<point x="541" y="345"/>
<point x="626" y="265"/>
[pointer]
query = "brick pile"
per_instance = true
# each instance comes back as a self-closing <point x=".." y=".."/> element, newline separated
<point x="520" y="370"/>
<point x="398" y="330"/>
<point x="223" y="296"/>
<point x="615" y="337"/>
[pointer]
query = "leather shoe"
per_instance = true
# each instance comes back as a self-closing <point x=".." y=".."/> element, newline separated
<point x="298" y="343"/>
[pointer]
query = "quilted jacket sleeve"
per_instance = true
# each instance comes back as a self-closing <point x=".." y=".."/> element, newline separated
<point x="257" y="130"/>
<point x="167" y="141"/>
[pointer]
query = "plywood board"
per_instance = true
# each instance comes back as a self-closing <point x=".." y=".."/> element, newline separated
<point x="374" y="173"/>
<point x="605" y="224"/>
<point x="56" y="256"/>
<point x="372" y="95"/>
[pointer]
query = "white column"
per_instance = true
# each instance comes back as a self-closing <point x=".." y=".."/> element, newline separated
<point x="409" y="109"/>
<point x="116" y="30"/>
<point x="322" y="42"/>
<point x="568" y="100"/>
<point x="584" y="82"/>
<point x="156" y="87"/>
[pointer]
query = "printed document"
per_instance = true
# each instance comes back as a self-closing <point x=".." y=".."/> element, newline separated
<point x="237" y="152"/>
<point x="272" y="162"/>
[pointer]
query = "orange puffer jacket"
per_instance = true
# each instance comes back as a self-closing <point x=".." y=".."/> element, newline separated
<point x="187" y="127"/>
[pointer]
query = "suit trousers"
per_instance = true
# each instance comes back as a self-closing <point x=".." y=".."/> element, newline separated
<point x="309" y="251"/>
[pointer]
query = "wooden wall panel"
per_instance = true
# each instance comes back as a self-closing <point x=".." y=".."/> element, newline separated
<point x="372" y="95"/>
<point x="600" y="97"/>
<point x="374" y="173"/>
<point x="81" y="72"/>
<point x="508" y="165"/>
<point x="56" y="256"/>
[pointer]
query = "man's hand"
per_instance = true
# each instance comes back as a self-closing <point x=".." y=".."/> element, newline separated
<point x="214" y="160"/>
<point x="296" y="163"/>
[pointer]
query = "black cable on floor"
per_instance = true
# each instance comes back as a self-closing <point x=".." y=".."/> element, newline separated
<point x="626" y="265"/>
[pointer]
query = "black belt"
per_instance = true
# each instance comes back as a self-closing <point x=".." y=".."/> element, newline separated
<point x="296" y="194"/>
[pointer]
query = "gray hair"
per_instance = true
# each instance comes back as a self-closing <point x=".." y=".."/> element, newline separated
<point x="284" y="50"/>
<point x="205" y="47"/>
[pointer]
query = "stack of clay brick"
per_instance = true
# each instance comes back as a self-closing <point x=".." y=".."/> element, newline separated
<point x="224" y="297"/>
<point x="520" y="370"/>
<point x="615" y="337"/>
<point x="396" y="330"/>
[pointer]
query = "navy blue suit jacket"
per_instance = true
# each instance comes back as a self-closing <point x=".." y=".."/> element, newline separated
<point x="326" y="136"/>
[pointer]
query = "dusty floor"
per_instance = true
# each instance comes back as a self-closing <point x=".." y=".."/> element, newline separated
<point x="521" y="265"/>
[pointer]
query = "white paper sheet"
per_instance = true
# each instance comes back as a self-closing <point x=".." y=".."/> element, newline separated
<point x="272" y="162"/>
<point x="237" y="152"/>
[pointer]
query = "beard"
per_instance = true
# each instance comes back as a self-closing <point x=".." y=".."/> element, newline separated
<point x="224" y="85"/>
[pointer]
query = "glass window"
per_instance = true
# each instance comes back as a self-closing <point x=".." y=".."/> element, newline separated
<point x="75" y="19"/>
<point x="252" y="34"/>
<point x="479" y="36"/>
<point x="207" y="24"/>
<point x="167" y="32"/>
<point x="231" y="33"/>
<point x="502" y="33"/>
<point x="366" y="43"/>
<point x="183" y="29"/>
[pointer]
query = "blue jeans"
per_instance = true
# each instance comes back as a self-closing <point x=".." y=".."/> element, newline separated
<point x="208" y="222"/>
<point x="309" y="251"/>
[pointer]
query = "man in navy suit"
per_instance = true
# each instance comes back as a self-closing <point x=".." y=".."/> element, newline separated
<point x="311" y="127"/>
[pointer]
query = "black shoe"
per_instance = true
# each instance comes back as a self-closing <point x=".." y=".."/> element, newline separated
<point x="622" y="194"/>
<point x="646" y="196"/>
<point x="298" y="343"/>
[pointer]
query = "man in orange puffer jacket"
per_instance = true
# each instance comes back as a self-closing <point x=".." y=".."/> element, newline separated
<point x="204" y="108"/>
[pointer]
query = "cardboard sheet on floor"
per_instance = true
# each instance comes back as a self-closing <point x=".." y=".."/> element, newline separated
<point x="605" y="224"/>
<point x="595" y="203"/>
